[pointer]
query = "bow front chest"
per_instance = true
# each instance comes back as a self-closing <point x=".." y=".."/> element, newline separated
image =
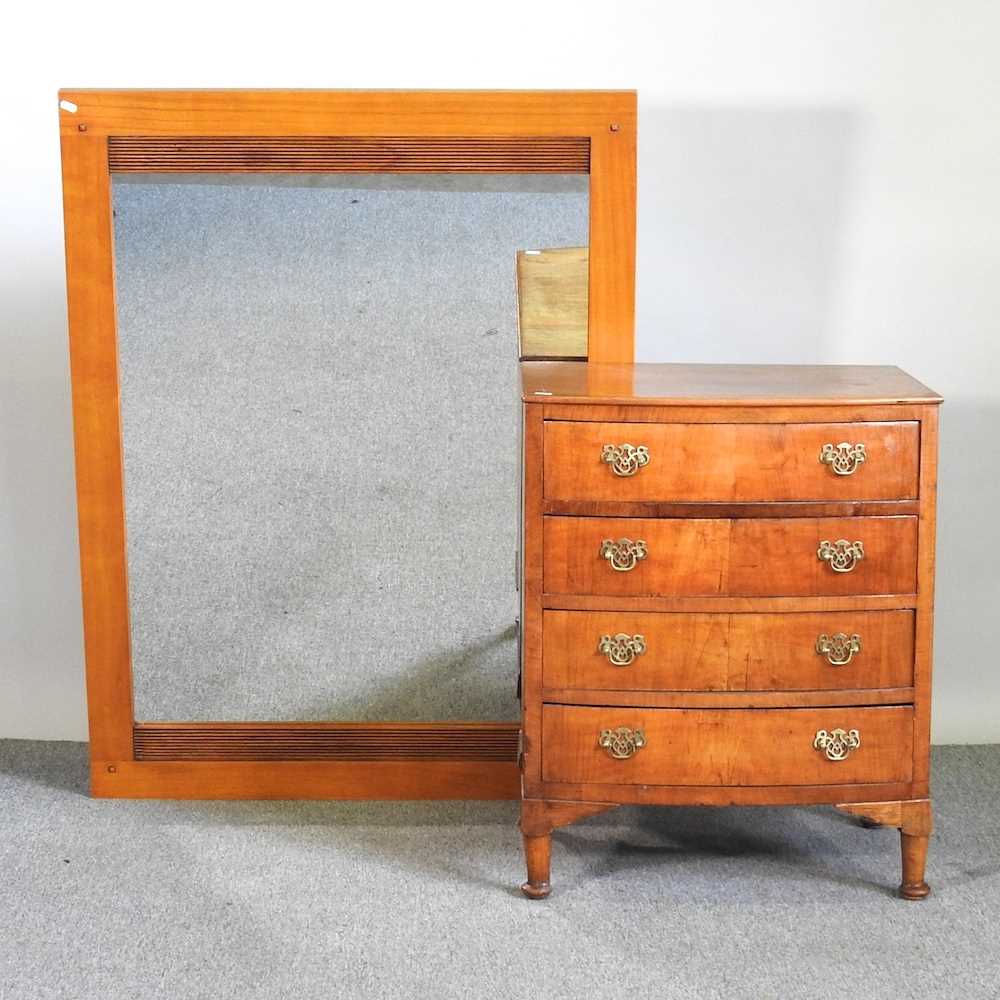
<point x="727" y="593"/>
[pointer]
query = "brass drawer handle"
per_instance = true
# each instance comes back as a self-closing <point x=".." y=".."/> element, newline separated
<point x="625" y="459"/>
<point x="623" y="554"/>
<point x="843" y="458"/>
<point x="842" y="555"/>
<point x="622" y="649"/>
<point x="837" y="744"/>
<point x="839" y="648"/>
<point x="623" y="742"/>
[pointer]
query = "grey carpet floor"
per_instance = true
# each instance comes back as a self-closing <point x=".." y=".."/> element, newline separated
<point x="183" y="900"/>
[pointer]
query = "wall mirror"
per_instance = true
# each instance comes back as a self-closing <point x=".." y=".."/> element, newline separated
<point x="320" y="436"/>
<point x="294" y="335"/>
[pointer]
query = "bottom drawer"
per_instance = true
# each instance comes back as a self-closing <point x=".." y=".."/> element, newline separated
<point x="635" y="746"/>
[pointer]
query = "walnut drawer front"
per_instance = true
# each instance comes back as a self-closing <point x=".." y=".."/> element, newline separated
<point x="637" y="651"/>
<point x="730" y="462"/>
<point x="726" y="746"/>
<point x="840" y="650"/>
<point x="768" y="557"/>
<point x="642" y="652"/>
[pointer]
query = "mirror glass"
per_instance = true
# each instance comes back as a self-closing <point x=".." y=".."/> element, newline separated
<point x="320" y="429"/>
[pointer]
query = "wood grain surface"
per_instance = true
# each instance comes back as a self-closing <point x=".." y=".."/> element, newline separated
<point x="728" y="652"/>
<point x="719" y="747"/>
<point x="714" y="385"/>
<point x="740" y="558"/>
<point x="730" y="462"/>
<point x="276" y="112"/>
<point x="552" y="302"/>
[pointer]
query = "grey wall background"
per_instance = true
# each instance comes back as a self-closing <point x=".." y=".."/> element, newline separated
<point x="817" y="183"/>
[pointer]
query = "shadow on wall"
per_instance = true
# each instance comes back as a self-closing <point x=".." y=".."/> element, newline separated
<point x="741" y="217"/>
<point x="41" y="641"/>
<point x="967" y="586"/>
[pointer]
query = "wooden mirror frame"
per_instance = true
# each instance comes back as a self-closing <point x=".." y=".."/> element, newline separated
<point x="103" y="131"/>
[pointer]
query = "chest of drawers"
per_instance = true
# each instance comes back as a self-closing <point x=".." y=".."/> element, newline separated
<point x="727" y="594"/>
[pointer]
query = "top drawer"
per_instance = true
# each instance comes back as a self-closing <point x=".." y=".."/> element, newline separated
<point x="731" y="462"/>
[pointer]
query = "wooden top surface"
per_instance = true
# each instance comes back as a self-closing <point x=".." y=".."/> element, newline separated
<point x="347" y="112"/>
<point x="686" y="385"/>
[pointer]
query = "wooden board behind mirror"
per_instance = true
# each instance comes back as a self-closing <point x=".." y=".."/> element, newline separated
<point x="552" y="286"/>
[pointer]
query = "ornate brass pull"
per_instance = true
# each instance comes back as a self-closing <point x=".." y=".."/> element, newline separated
<point x="623" y="742"/>
<point x="842" y="555"/>
<point x="839" y="649"/>
<point x="843" y="458"/>
<point x="625" y="459"/>
<point x="622" y="649"/>
<point x="837" y="744"/>
<point x="623" y="554"/>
